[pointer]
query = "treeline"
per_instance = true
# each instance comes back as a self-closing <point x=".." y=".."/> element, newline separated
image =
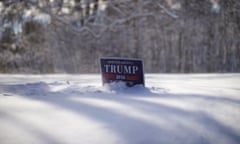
<point x="69" y="36"/>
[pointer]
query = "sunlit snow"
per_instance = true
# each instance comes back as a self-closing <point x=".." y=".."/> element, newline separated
<point x="171" y="109"/>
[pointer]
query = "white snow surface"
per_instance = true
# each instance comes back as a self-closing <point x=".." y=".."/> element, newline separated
<point x="77" y="109"/>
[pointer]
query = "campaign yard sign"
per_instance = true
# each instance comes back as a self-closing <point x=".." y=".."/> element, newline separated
<point x="128" y="70"/>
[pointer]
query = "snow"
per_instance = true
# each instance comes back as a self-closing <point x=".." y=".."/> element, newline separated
<point x="172" y="109"/>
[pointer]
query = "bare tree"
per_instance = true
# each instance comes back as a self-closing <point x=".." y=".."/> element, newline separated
<point x="172" y="36"/>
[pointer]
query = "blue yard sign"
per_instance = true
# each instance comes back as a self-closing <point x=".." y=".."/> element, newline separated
<point x="128" y="70"/>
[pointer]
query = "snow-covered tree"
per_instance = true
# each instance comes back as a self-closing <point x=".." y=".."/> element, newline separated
<point x="70" y="35"/>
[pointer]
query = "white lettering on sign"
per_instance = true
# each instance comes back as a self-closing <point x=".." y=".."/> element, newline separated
<point x="107" y="67"/>
<point x="135" y="68"/>
<point x="121" y="69"/>
<point x="127" y="69"/>
<point x="113" y="68"/>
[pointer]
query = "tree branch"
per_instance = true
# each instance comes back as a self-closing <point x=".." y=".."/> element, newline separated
<point x="171" y="14"/>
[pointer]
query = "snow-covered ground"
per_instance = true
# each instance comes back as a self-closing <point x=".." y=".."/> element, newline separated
<point x="76" y="109"/>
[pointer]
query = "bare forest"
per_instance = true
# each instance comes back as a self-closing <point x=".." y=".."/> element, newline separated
<point x="69" y="36"/>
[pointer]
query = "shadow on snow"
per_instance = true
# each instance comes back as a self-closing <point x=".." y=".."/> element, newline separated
<point x="156" y="123"/>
